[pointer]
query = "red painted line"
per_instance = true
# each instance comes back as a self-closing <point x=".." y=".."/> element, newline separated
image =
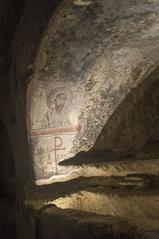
<point x="55" y="131"/>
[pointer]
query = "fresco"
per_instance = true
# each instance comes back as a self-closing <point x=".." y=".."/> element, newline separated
<point x="57" y="116"/>
<point x="53" y="124"/>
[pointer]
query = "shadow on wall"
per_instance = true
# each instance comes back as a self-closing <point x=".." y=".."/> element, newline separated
<point x="7" y="167"/>
<point x="7" y="186"/>
<point x="134" y="124"/>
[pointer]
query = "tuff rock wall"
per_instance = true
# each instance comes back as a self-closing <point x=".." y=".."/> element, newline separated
<point x="82" y="83"/>
<point x="96" y="65"/>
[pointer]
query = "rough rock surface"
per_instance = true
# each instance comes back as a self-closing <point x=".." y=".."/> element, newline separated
<point x="104" y="55"/>
<point x="75" y="224"/>
<point x="105" y="69"/>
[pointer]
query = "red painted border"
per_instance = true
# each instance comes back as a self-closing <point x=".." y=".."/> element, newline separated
<point x="55" y="131"/>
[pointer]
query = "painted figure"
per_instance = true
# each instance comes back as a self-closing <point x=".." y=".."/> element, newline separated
<point x="57" y="116"/>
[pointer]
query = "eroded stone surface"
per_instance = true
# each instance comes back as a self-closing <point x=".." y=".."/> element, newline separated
<point x="128" y="205"/>
<point x="117" y="168"/>
<point x="64" y="224"/>
<point x="84" y="72"/>
<point x="106" y="54"/>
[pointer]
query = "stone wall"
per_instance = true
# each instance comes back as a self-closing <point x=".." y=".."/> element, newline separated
<point x="82" y="79"/>
<point x="88" y="79"/>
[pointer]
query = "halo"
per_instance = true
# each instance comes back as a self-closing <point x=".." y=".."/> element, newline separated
<point x="57" y="91"/>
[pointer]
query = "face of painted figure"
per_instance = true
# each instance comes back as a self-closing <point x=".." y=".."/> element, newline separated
<point x="59" y="102"/>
